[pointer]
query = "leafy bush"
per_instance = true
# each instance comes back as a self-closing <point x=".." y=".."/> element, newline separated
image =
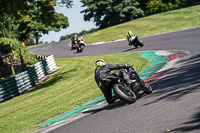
<point x="5" y="48"/>
<point x="158" y="6"/>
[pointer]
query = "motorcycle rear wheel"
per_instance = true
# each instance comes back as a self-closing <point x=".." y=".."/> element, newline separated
<point x="136" y="45"/>
<point x="77" y="50"/>
<point x="140" y="43"/>
<point x="128" y="97"/>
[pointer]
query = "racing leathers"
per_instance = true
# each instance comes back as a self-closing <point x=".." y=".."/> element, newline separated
<point x="102" y="71"/>
<point x="74" y="39"/>
<point x="130" y="37"/>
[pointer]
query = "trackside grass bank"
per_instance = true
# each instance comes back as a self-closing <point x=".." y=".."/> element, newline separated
<point x="164" y="22"/>
<point x="72" y="85"/>
<point x="158" y="23"/>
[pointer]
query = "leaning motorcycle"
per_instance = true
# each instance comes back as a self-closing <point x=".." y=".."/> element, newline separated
<point x="80" y="46"/>
<point x="128" y="93"/>
<point x="134" y="40"/>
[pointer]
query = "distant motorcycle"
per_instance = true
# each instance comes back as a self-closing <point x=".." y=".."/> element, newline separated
<point x="128" y="92"/>
<point x="80" y="45"/>
<point x="135" y="41"/>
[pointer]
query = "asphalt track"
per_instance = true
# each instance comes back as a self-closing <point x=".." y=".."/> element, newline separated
<point x="172" y="107"/>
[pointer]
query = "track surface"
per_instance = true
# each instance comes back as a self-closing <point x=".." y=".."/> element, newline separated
<point x="174" y="104"/>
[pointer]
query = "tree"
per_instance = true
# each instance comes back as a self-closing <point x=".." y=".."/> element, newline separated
<point x="158" y="6"/>
<point x="42" y="24"/>
<point x="31" y="17"/>
<point x="16" y="8"/>
<point x="42" y="19"/>
<point x="143" y="4"/>
<point x="111" y="12"/>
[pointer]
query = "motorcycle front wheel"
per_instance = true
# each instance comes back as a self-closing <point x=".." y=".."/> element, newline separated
<point x="147" y="89"/>
<point x="124" y="95"/>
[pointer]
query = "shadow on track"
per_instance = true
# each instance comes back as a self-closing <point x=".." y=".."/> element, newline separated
<point x="116" y="105"/>
<point x="192" y="125"/>
<point x="131" y="49"/>
<point x="177" y="85"/>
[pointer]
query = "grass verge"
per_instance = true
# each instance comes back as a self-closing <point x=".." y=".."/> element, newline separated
<point x="158" y="23"/>
<point x="72" y="85"/>
<point x="35" y="45"/>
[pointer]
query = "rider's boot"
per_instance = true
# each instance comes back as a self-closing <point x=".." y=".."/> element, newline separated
<point x="112" y="100"/>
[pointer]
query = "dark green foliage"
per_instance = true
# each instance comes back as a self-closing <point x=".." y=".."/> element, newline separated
<point x="185" y="3"/>
<point x="143" y="4"/>
<point x="83" y="32"/>
<point x="158" y="6"/>
<point x="111" y="12"/>
<point x="24" y="18"/>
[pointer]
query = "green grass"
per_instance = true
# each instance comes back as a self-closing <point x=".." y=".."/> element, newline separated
<point x="73" y="84"/>
<point x="159" y="23"/>
<point x="35" y="45"/>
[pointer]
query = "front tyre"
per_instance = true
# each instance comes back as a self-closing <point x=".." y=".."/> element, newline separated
<point x="124" y="95"/>
<point x="147" y="89"/>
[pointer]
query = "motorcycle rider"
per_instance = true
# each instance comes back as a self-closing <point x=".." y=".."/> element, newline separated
<point x="73" y="39"/>
<point x="130" y="37"/>
<point x="103" y="70"/>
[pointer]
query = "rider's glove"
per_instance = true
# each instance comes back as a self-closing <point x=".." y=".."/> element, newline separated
<point x="128" y="66"/>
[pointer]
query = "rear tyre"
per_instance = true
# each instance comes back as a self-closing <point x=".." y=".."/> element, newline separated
<point x="140" y="43"/>
<point x="126" y="96"/>
<point x="77" y="49"/>
<point x="135" y="46"/>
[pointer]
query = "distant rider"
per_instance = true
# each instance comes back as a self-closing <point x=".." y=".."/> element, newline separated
<point x="74" y="39"/>
<point x="130" y="37"/>
<point x="103" y="70"/>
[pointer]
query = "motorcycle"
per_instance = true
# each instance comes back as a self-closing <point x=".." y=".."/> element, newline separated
<point x="128" y="93"/>
<point x="80" y="45"/>
<point x="134" y="40"/>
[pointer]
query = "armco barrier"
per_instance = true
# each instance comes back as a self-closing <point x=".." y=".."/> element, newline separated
<point x="21" y="82"/>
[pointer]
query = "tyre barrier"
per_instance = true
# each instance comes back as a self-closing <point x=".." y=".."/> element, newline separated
<point x="41" y="57"/>
<point x="19" y="83"/>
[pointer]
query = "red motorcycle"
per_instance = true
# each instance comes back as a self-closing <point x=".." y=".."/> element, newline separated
<point x="80" y="45"/>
